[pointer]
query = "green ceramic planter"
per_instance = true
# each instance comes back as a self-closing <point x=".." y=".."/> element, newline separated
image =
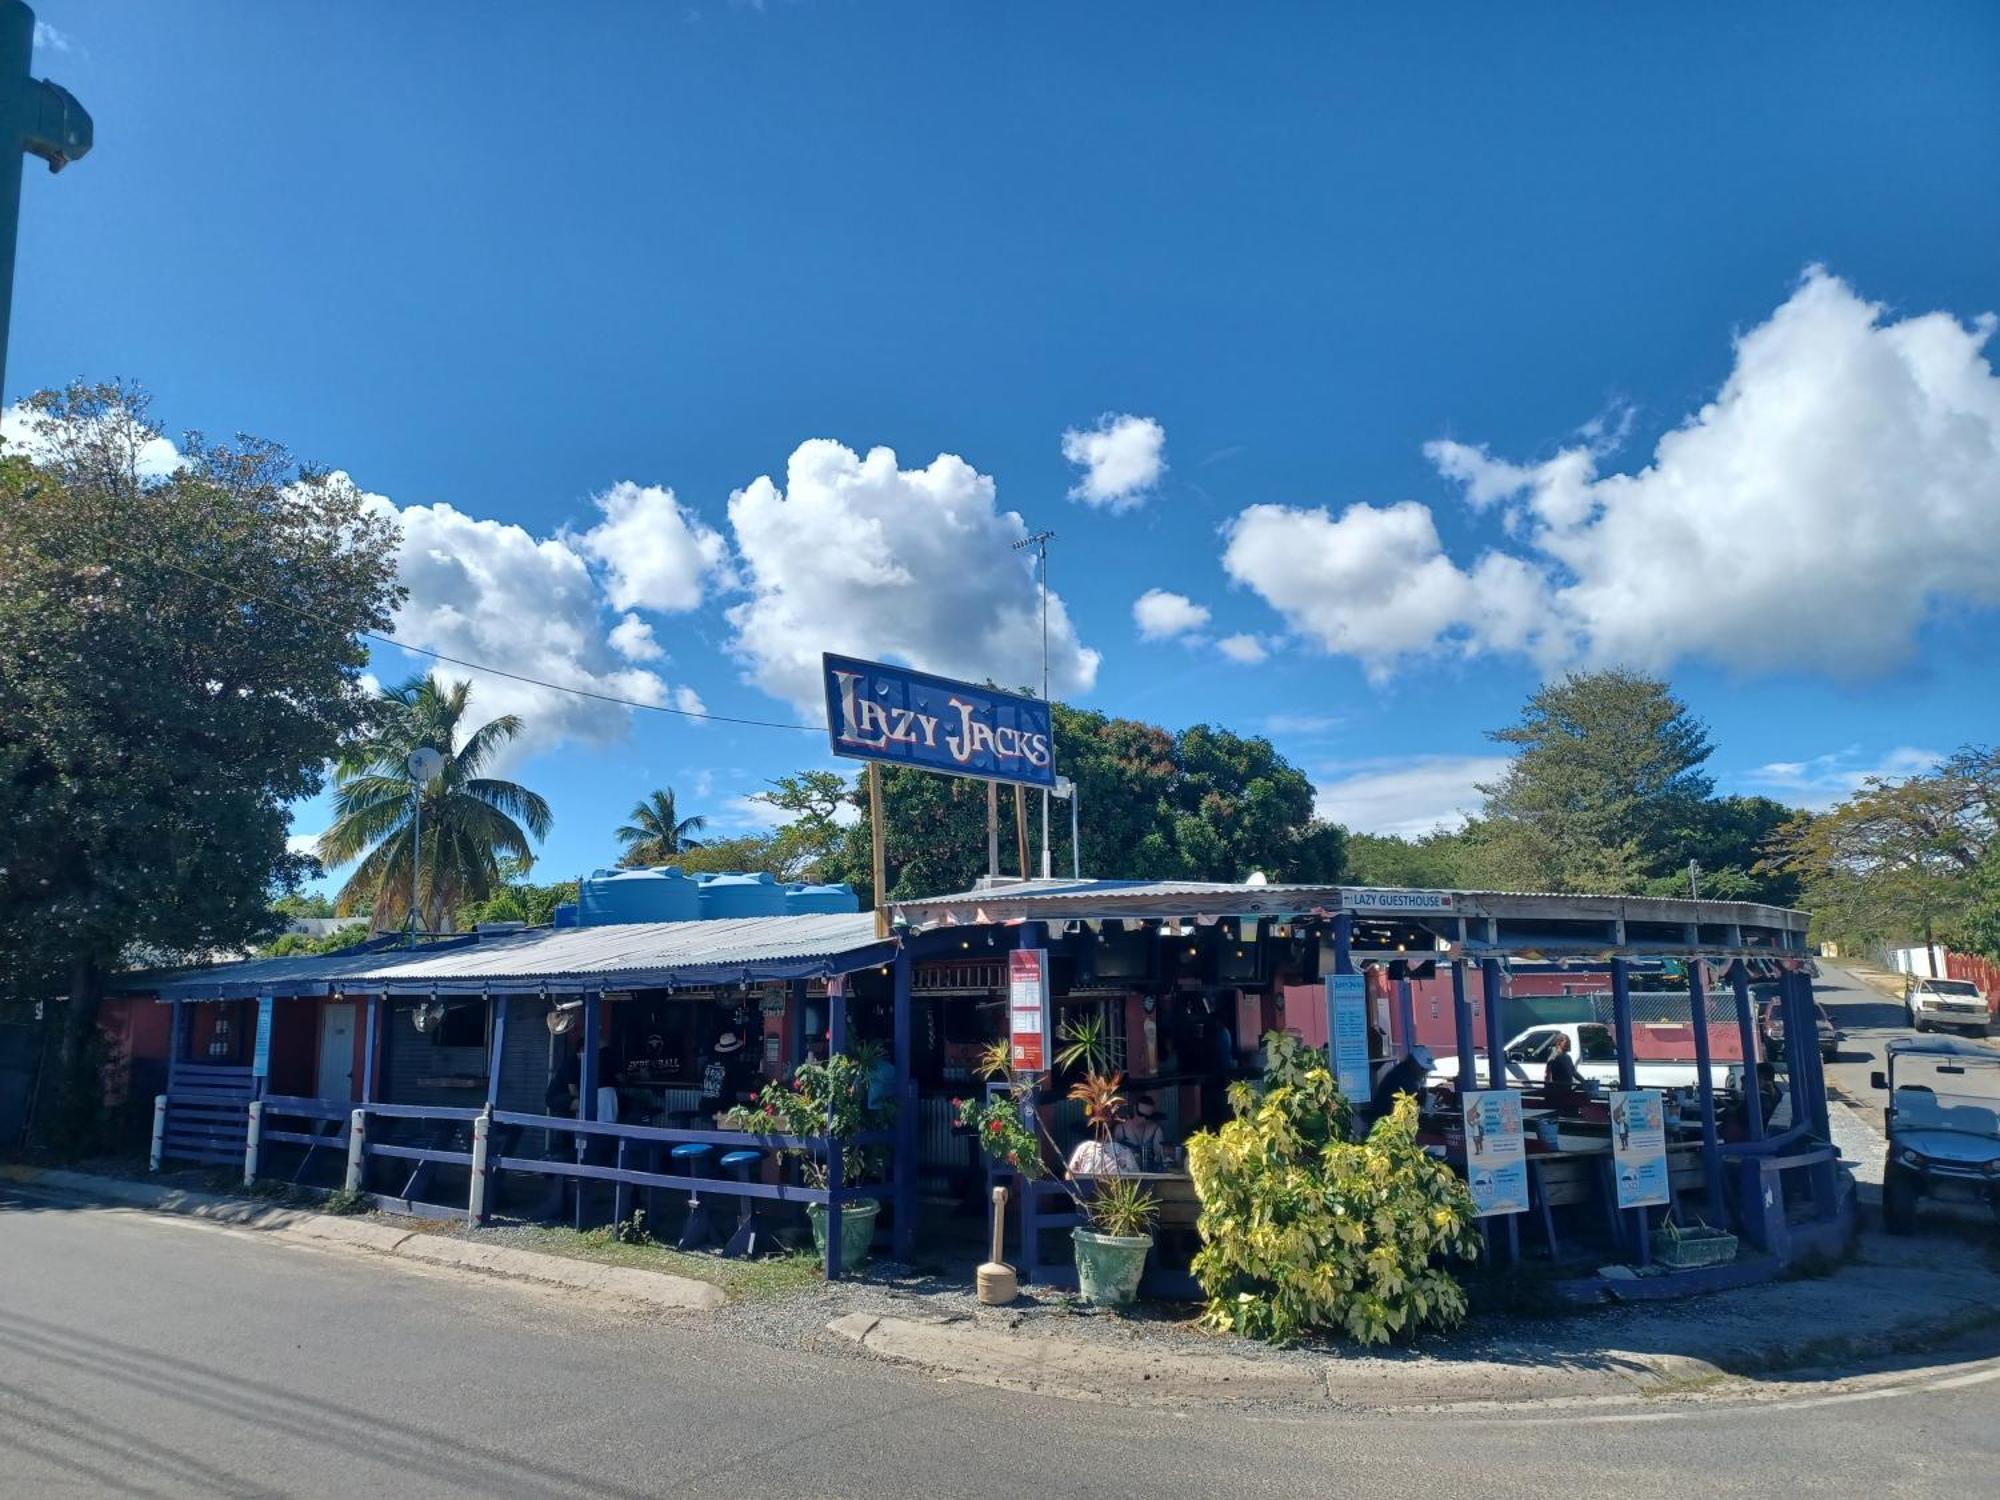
<point x="857" y="1230"/>
<point x="1108" y="1266"/>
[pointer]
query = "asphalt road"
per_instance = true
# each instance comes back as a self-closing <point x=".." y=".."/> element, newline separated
<point x="154" y="1356"/>
<point x="1867" y="1019"/>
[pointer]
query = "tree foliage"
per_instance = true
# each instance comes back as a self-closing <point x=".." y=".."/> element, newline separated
<point x="656" y="832"/>
<point x="1205" y="804"/>
<point x="179" y="660"/>
<point x="1904" y="859"/>
<point x="475" y="828"/>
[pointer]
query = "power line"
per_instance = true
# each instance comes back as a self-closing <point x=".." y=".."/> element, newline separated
<point x="476" y="666"/>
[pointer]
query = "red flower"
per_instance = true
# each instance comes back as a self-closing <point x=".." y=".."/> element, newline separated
<point x="994" y="1126"/>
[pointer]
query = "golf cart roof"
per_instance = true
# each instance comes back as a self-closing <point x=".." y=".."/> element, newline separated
<point x="1940" y="1046"/>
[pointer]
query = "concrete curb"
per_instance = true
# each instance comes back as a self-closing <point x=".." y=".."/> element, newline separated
<point x="659" y="1289"/>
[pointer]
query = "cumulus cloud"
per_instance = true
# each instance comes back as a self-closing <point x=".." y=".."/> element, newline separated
<point x="1407" y="796"/>
<point x="1122" y="458"/>
<point x="688" y="701"/>
<point x="488" y="591"/>
<point x="303" y="843"/>
<point x="657" y="554"/>
<point x="632" y="638"/>
<point x="1841" y="488"/>
<point x="21" y="428"/>
<point x="1245" y="650"/>
<point x="48" y="39"/>
<point x="1163" y="616"/>
<point x="857" y="555"/>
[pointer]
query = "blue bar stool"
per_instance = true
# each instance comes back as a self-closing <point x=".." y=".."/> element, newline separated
<point x="738" y="1164"/>
<point x="690" y="1159"/>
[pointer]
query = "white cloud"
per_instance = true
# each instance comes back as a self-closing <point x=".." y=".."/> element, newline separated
<point x="856" y="555"/>
<point x="1162" y="616"/>
<point x="1823" y="780"/>
<point x="48" y="39"/>
<point x="1122" y="457"/>
<point x="303" y="843"/>
<point x="1842" y="488"/>
<point x="1408" y="796"/>
<point x="1301" y="723"/>
<point x="657" y="554"/>
<point x="487" y="591"/>
<point x="1247" y="650"/>
<point x="688" y="701"/>
<point x="632" y="638"/>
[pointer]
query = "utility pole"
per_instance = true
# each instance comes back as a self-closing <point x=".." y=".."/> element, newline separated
<point x="1040" y="540"/>
<point x="37" y="118"/>
<point x="1694" y="880"/>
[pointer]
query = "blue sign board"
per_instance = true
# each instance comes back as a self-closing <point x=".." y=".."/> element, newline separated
<point x="1347" y="1033"/>
<point x="1639" y="1148"/>
<point x="260" y="1060"/>
<point x="879" y="712"/>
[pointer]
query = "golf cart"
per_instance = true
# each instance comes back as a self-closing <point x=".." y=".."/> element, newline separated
<point x="1943" y="1125"/>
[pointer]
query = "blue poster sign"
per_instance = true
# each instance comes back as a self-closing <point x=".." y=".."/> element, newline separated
<point x="879" y="712"/>
<point x="260" y="1059"/>
<point x="1347" y="1033"/>
<point x="1496" y="1152"/>
<point x="1639" y="1148"/>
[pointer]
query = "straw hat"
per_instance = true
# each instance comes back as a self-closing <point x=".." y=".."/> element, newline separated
<point x="729" y="1041"/>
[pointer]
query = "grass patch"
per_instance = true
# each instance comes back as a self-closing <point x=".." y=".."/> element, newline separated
<point x="747" y="1280"/>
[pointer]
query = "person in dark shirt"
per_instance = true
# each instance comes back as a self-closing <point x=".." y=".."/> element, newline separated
<point x="1407" y="1077"/>
<point x="1562" y="1072"/>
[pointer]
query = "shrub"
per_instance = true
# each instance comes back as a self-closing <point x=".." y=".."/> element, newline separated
<point x="1304" y="1229"/>
<point x="823" y="1098"/>
<point x="345" y="1201"/>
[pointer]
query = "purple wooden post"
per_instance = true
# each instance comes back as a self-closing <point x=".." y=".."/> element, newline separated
<point x="1343" y="944"/>
<point x="1406" y="1016"/>
<point x="1461" y="1018"/>
<point x="906" y="1113"/>
<point x="586" y="1089"/>
<point x="499" y="1046"/>
<point x="1711" y="1149"/>
<point x="836" y="1167"/>
<point x="1496" y="1042"/>
<point x="1746" y="1024"/>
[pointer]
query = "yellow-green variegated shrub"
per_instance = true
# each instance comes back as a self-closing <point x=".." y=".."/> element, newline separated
<point x="1303" y="1229"/>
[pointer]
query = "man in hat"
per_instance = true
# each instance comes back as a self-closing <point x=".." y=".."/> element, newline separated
<point x="725" y="1079"/>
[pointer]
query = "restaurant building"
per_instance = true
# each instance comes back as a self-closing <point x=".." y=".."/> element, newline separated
<point x="528" y="1028"/>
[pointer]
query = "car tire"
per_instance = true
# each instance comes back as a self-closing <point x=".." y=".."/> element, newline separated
<point x="1899" y="1201"/>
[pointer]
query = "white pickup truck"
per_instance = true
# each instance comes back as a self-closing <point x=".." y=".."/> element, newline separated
<point x="1595" y="1049"/>
<point x="1956" y="1003"/>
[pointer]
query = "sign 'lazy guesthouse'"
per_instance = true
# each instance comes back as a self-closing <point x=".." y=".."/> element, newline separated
<point x="878" y="712"/>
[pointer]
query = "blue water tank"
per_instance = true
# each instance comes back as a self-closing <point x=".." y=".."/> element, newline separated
<point x="801" y="898"/>
<point x="613" y="896"/>
<point x="566" y="914"/>
<point x="741" y="896"/>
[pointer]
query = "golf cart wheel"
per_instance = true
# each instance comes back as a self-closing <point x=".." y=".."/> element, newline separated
<point x="1899" y="1201"/>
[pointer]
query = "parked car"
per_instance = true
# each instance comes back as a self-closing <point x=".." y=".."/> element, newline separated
<point x="1943" y="1126"/>
<point x="1957" y="1003"/>
<point x="1595" y="1050"/>
<point x="1771" y="1026"/>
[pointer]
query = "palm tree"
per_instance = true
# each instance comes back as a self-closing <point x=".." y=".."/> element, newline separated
<point x="472" y="825"/>
<point x="657" y="831"/>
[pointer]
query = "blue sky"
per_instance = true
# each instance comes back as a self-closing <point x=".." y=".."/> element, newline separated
<point x="1426" y="350"/>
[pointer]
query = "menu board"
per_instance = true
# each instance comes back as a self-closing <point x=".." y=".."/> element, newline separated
<point x="260" y="1057"/>
<point x="1028" y="1008"/>
<point x="1496" y="1155"/>
<point x="1639" y="1148"/>
<point x="1347" y="1033"/>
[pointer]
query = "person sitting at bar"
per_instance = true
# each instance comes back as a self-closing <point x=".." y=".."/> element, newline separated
<point x="1141" y="1133"/>
<point x="1407" y="1077"/>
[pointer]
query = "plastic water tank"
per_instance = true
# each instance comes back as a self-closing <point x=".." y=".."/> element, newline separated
<point x="613" y="896"/>
<point x="566" y="914"/>
<point x="741" y="896"/>
<point x="801" y="898"/>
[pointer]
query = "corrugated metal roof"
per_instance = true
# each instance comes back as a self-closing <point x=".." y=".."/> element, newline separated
<point x="641" y="955"/>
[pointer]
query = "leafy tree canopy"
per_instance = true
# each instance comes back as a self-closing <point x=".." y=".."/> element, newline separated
<point x="179" y="660"/>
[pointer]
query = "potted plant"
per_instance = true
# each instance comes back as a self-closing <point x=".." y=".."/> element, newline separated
<point x="1111" y="1252"/>
<point x="829" y="1098"/>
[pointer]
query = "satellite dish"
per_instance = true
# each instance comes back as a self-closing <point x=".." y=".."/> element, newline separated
<point x="425" y="765"/>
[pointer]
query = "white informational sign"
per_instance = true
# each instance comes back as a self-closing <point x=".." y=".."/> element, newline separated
<point x="1393" y="901"/>
<point x="1028" y="1008"/>
<point x="1639" y="1148"/>
<point x="1496" y="1153"/>
<point x="1347" y="1033"/>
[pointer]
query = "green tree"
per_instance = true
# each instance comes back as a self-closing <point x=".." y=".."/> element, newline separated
<point x="1899" y="859"/>
<point x="1435" y="861"/>
<point x="303" y="904"/>
<point x="1605" y="781"/>
<point x="657" y="832"/>
<point x="286" y="944"/>
<point x="472" y="824"/>
<point x="179" y="660"/>
<point x="520" y="901"/>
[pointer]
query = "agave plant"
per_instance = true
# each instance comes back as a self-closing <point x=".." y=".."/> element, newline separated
<point x="1120" y="1207"/>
